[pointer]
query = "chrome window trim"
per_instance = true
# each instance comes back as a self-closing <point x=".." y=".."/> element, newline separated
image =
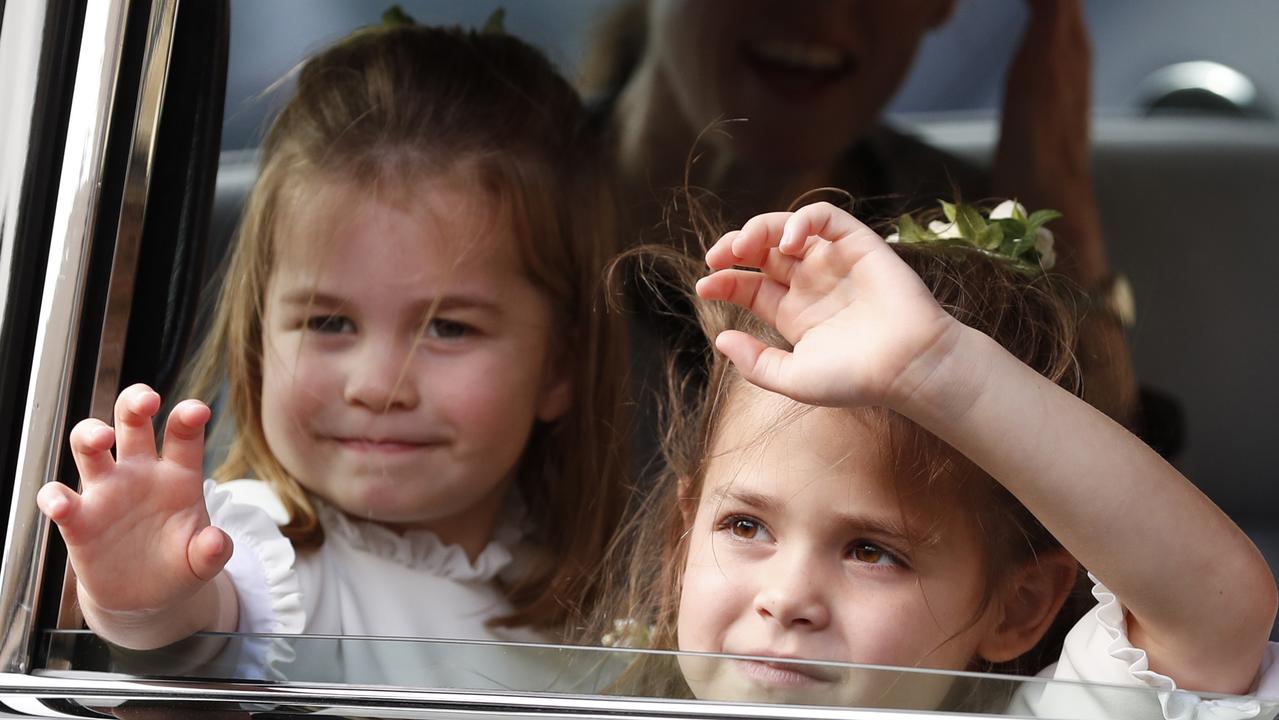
<point x="128" y="239"/>
<point x="75" y="215"/>
<point x="137" y="183"/>
<point x="44" y="421"/>
<point x="19" y="82"/>
<point x="445" y="703"/>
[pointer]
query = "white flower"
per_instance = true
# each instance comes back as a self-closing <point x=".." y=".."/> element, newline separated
<point x="1122" y="301"/>
<point x="1044" y="246"/>
<point x="627" y="633"/>
<point x="892" y="238"/>
<point x="1004" y="210"/>
<point x="947" y="231"/>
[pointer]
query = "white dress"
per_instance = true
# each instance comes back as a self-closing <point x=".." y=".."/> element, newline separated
<point x="367" y="580"/>
<point x="1097" y="652"/>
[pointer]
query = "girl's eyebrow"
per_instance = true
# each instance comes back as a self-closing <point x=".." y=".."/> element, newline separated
<point x="311" y="297"/>
<point x="308" y="297"/>
<point x="890" y="529"/>
<point x="458" y="302"/>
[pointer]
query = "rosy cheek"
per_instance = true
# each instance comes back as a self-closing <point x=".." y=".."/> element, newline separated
<point x="696" y="616"/>
<point x="709" y="603"/>
<point x="296" y="386"/>
<point x="309" y="376"/>
<point x="897" y="631"/>
<point x="480" y="393"/>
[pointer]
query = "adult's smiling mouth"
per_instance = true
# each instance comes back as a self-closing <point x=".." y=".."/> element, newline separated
<point x="798" y="67"/>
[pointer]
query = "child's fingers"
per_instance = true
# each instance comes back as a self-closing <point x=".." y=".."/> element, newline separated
<point x="135" y="436"/>
<point x="780" y="267"/>
<point x="184" y="434"/>
<point x="59" y="503"/>
<point x="208" y="552"/>
<point x="750" y="245"/>
<point x="720" y="256"/>
<point x="825" y="221"/>
<point x="758" y="236"/>
<point x="64" y="507"/>
<point x="762" y="365"/>
<point x="91" y="441"/>
<point x="752" y="290"/>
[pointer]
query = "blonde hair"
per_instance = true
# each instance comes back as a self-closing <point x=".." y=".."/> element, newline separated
<point x="411" y="102"/>
<point x="1032" y="315"/>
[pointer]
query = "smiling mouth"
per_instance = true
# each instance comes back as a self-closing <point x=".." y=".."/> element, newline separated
<point x="793" y="66"/>
<point x="373" y="446"/>
<point x="783" y="673"/>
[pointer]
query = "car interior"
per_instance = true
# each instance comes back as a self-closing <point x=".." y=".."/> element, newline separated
<point x="1185" y="147"/>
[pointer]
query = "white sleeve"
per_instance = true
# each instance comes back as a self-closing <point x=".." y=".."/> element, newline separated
<point x="261" y="569"/>
<point x="1267" y="685"/>
<point x="1119" y="680"/>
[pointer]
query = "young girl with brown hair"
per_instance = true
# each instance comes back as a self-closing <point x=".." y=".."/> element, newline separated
<point x="891" y="465"/>
<point x="419" y="381"/>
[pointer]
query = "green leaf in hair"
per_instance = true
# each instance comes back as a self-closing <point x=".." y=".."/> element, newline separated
<point x="971" y="224"/>
<point x="395" y="16"/>
<point x="949" y="210"/>
<point x="496" y="24"/>
<point x="1042" y="217"/>
<point x="990" y="237"/>
<point x="910" y="230"/>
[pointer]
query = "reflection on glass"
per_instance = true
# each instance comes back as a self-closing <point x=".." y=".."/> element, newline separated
<point x="618" y="672"/>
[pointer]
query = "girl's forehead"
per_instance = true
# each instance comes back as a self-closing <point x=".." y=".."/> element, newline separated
<point x="756" y="421"/>
<point x="769" y="441"/>
<point x="324" y="217"/>
<point x="821" y="461"/>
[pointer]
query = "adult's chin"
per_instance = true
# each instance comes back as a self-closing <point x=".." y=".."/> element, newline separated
<point x="781" y="145"/>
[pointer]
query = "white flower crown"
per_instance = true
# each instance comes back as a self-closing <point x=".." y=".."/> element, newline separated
<point x="1007" y="231"/>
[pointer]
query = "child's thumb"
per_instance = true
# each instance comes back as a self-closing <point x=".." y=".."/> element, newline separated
<point x="208" y="552"/>
<point x="760" y="364"/>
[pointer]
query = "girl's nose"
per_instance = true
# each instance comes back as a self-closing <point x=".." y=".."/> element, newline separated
<point x="794" y="598"/>
<point x="382" y="379"/>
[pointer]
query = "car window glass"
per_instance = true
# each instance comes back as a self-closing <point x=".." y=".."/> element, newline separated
<point x="957" y="78"/>
<point x="565" y="670"/>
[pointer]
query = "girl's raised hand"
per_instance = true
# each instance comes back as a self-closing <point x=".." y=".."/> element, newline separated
<point x="865" y="329"/>
<point x="138" y="532"/>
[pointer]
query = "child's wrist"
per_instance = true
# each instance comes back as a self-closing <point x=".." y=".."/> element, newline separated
<point x="130" y="629"/>
<point x="959" y="376"/>
<point x="213" y="607"/>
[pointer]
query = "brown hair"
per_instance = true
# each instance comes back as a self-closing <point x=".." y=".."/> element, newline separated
<point x="1032" y="315"/>
<point x="407" y="103"/>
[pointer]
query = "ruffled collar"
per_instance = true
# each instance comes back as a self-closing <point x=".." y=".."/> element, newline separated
<point x="422" y="549"/>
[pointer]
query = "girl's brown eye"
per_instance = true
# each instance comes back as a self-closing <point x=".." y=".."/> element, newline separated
<point x="868" y="554"/>
<point x="745" y="528"/>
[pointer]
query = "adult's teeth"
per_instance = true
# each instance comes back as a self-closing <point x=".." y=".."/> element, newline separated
<point x="806" y="56"/>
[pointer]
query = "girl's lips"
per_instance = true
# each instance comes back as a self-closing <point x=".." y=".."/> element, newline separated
<point x="781" y="673"/>
<point x="366" y="445"/>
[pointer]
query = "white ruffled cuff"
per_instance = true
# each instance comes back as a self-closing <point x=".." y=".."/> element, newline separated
<point x="1177" y="704"/>
<point x="266" y="584"/>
